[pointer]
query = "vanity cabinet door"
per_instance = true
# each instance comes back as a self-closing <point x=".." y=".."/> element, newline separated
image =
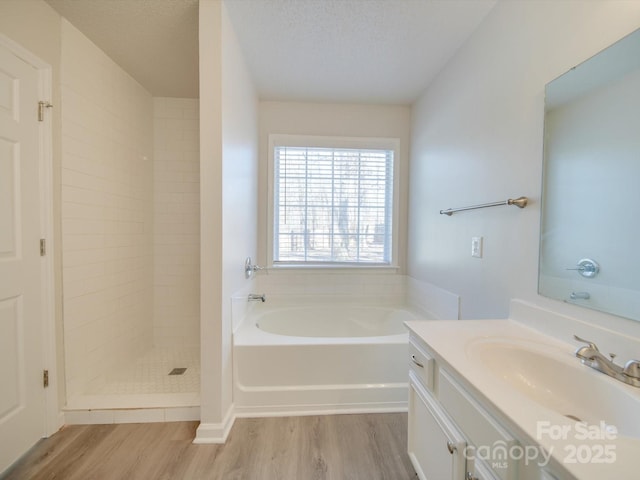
<point x="479" y="471"/>
<point x="436" y="448"/>
<point x="479" y="427"/>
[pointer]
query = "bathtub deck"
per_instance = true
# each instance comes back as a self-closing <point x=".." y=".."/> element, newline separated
<point x="370" y="446"/>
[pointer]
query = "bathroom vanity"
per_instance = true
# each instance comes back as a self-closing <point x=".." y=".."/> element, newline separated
<point x="497" y="400"/>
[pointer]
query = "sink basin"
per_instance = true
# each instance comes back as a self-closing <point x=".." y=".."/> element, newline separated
<point x="556" y="380"/>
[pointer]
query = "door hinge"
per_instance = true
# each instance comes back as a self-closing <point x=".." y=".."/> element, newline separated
<point x="45" y="378"/>
<point x="43" y="247"/>
<point x="41" y="106"/>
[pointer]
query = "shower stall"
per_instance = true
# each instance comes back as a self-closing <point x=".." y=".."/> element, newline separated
<point x="130" y="238"/>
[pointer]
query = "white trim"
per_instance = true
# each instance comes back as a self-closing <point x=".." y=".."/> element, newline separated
<point x="24" y="54"/>
<point x="335" y="142"/>
<point x="304" y="410"/>
<point x="332" y="268"/>
<point x="53" y="415"/>
<point x="47" y="262"/>
<point x="215" y="432"/>
<point x="102" y="416"/>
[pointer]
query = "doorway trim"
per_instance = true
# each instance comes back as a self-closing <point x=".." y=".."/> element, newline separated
<point x="54" y="417"/>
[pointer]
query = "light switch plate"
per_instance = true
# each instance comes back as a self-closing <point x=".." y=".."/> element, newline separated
<point x="476" y="247"/>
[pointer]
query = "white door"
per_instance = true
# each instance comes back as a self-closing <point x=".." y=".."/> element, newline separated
<point x="22" y="398"/>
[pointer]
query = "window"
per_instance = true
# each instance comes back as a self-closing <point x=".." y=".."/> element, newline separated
<point x="332" y="204"/>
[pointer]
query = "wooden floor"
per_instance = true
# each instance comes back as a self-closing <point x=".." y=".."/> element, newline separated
<point x="340" y="447"/>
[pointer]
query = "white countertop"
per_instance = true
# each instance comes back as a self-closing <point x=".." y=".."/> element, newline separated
<point x="449" y="341"/>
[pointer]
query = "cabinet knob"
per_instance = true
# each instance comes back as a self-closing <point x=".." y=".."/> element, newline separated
<point x="451" y="447"/>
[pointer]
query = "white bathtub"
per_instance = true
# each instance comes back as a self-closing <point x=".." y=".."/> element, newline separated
<point x="329" y="357"/>
<point x="346" y="321"/>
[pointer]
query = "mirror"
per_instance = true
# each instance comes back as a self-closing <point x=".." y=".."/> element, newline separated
<point x="590" y="228"/>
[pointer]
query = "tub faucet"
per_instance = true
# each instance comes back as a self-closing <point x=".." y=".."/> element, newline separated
<point x="254" y="296"/>
<point x="592" y="357"/>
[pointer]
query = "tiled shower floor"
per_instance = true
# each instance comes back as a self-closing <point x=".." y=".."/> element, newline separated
<point x="150" y="374"/>
<point x="146" y="383"/>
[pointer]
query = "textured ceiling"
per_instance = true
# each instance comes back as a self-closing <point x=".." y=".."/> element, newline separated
<point x="155" y="41"/>
<point x="378" y="51"/>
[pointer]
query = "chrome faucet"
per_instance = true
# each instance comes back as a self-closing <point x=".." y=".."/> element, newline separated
<point x="592" y="357"/>
<point x="254" y="296"/>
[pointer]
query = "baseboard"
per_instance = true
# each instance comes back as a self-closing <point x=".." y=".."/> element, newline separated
<point x="303" y="410"/>
<point x="59" y="423"/>
<point x="215" y="432"/>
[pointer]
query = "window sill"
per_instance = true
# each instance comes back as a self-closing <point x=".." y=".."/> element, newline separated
<point x="389" y="269"/>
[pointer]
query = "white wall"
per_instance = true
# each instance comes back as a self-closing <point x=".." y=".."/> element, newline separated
<point x="107" y="199"/>
<point x="210" y="218"/>
<point x="240" y="184"/>
<point x="477" y="137"/>
<point x="176" y="222"/>
<point x="325" y="119"/>
<point x="228" y="170"/>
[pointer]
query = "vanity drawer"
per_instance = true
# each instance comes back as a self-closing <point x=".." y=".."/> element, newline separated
<point x="480" y="428"/>
<point x="422" y="364"/>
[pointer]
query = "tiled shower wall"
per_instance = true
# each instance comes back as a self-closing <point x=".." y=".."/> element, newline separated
<point x="176" y="280"/>
<point x="107" y="202"/>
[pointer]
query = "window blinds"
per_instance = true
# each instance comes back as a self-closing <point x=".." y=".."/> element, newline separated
<point x="332" y="205"/>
